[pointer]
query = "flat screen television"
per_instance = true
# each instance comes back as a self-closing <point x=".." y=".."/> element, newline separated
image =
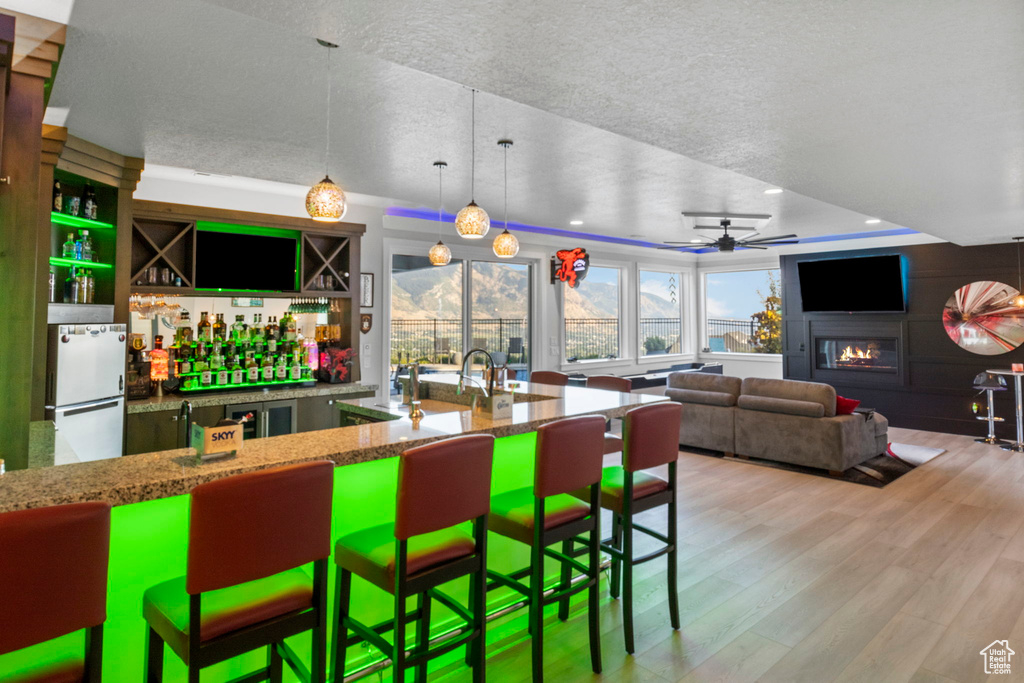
<point x="236" y="261"/>
<point x="863" y="284"/>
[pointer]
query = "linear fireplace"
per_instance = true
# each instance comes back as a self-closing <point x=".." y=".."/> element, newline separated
<point x="858" y="354"/>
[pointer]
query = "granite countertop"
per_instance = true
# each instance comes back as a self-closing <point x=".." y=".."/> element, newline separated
<point x="150" y="476"/>
<point x="155" y="404"/>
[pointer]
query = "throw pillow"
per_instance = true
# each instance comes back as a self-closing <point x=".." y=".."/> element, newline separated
<point x="846" y="406"/>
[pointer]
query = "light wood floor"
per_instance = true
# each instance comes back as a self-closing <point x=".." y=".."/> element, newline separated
<point x="789" y="577"/>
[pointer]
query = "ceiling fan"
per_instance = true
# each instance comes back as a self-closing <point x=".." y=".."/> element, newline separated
<point x="728" y="242"/>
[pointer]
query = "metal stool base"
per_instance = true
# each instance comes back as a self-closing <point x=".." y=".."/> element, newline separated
<point x="995" y="441"/>
<point x="1016" y="447"/>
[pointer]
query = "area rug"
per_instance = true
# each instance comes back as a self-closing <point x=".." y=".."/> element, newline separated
<point x="876" y="472"/>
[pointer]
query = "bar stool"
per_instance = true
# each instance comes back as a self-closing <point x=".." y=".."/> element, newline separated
<point x="989" y="383"/>
<point x="53" y="569"/>
<point x="440" y="486"/>
<point x="558" y="379"/>
<point x="249" y="535"/>
<point x="569" y="457"/>
<point x="651" y="439"/>
<point x="612" y="442"/>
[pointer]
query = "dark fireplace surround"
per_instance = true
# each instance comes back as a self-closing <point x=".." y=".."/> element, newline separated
<point x="848" y="352"/>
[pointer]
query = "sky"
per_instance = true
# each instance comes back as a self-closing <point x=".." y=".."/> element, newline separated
<point x="734" y="295"/>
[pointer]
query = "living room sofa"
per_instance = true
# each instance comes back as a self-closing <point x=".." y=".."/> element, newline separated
<point x="774" y="419"/>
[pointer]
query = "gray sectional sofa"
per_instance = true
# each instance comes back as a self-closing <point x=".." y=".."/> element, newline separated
<point x="774" y="419"/>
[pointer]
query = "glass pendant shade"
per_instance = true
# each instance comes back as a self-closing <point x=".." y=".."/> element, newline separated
<point x="440" y="254"/>
<point x="506" y="245"/>
<point x="1017" y="301"/>
<point x="326" y="202"/>
<point x="472" y="222"/>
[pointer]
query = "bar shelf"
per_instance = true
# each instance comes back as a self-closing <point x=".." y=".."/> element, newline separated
<point x="79" y="222"/>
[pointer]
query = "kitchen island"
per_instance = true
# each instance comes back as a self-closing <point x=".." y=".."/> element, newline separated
<point x="150" y="518"/>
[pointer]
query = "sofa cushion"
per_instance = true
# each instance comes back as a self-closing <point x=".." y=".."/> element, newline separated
<point x="703" y="381"/>
<point x="708" y="398"/>
<point x="786" y="406"/>
<point x="792" y="390"/>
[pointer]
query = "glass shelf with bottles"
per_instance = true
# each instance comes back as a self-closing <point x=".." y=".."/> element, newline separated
<point x="78" y="255"/>
<point x="214" y="356"/>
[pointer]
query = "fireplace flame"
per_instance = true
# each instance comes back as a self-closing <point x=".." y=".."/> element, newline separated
<point x="854" y="353"/>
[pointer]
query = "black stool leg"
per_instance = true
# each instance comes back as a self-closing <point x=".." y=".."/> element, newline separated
<point x="479" y="603"/>
<point x="339" y="644"/>
<point x="594" y="598"/>
<point x="564" y="581"/>
<point x="537" y="610"/>
<point x="627" y="574"/>
<point x="673" y="583"/>
<point x="423" y="635"/>
<point x="154" y="657"/>
<point x="471" y="646"/>
<point x="613" y="588"/>
<point x="398" y="649"/>
<point x="275" y="668"/>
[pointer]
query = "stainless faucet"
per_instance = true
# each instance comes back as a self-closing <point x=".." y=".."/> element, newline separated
<point x="414" y="383"/>
<point x="489" y="389"/>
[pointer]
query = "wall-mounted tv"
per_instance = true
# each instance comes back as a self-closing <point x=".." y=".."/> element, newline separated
<point x="241" y="261"/>
<point x="862" y="284"/>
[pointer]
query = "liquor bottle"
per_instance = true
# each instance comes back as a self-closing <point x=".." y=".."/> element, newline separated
<point x="78" y="248"/>
<point x="68" y="250"/>
<point x="58" y="197"/>
<point x="273" y="334"/>
<point x="204" y="329"/>
<point x="267" y="368"/>
<point x="87" y="253"/>
<point x="256" y="330"/>
<point x="288" y="330"/>
<point x="239" y="330"/>
<point x="237" y="373"/>
<point x="53" y="285"/>
<point x="90" y="287"/>
<point x="220" y="328"/>
<point x="83" y="283"/>
<point x="184" y="359"/>
<point x="295" y="371"/>
<point x="89" y="202"/>
<point x="281" y="370"/>
<point x="257" y="345"/>
<point x="71" y="287"/>
<point x="223" y="373"/>
<point x="202" y="366"/>
<point x="252" y="371"/>
<point x="183" y="330"/>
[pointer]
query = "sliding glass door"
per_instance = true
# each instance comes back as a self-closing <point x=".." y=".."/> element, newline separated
<point x="499" y="312"/>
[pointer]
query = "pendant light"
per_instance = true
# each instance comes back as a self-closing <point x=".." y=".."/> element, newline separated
<point x="506" y="245"/>
<point x="472" y="222"/>
<point x="325" y="201"/>
<point x="1018" y="301"/>
<point x="439" y="254"/>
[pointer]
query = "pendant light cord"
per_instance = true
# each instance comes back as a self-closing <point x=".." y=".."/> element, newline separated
<point x="440" y="199"/>
<point x="327" y="152"/>
<point x="1018" y="263"/>
<point x="506" y="187"/>
<point x="472" y="145"/>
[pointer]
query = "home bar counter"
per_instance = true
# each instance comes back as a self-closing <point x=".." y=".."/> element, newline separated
<point x="150" y="518"/>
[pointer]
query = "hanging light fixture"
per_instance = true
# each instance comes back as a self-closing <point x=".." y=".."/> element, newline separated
<point x="325" y="201"/>
<point x="506" y="245"/>
<point x="472" y="222"/>
<point x="1018" y="301"/>
<point x="439" y="254"/>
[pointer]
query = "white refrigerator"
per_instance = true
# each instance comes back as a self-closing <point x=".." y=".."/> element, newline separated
<point x="85" y="387"/>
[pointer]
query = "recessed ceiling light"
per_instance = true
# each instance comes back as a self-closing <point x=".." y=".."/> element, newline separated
<point x="696" y="241"/>
<point x="575" y="222"/>
<point x="873" y="221"/>
<point x="774" y="190"/>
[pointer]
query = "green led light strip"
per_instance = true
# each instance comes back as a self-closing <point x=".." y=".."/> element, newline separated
<point x="75" y="263"/>
<point x="79" y="222"/>
<point x="248" y="384"/>
<point x="239" y="229"/>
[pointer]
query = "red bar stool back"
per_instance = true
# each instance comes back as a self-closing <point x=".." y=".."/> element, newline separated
<point x="249" y="536"/>
<point x="440" y="485"/>
<point x="53" y="567"/>
<point x="558" y="379"/>
<point x="569" y="457"/>
<point x="610" y="383"/>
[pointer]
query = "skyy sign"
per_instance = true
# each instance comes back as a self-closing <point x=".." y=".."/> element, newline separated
<point x="212" y="443"/>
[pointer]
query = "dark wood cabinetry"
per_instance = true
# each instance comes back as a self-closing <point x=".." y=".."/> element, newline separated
<point x="161" y="430"/>
<point x="318" y="412"/>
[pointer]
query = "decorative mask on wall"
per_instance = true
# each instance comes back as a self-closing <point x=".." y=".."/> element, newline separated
<point x="981" y="318"/>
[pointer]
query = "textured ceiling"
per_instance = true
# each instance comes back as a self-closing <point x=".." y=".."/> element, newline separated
<point x="602" y="106"/>
<point x="911" y="110"/>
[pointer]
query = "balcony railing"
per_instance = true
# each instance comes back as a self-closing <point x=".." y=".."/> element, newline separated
<point x="731" y="335"/>
<point x="590" y="338"/>
<point x="660" y="335"/>
<point x="440" y="341"/>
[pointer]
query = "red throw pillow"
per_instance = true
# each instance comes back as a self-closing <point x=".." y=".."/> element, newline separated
<point x="846" y="406"/>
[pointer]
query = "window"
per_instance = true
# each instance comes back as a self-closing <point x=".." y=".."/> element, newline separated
<point x="661" y="321"/>
<point x="743" y="311"/>
<point x="592" y="316"/>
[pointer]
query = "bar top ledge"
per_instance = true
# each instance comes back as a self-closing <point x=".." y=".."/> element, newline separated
<point x="150" y="476"/>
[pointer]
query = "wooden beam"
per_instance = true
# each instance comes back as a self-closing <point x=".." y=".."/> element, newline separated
<point x="149" y="209"/>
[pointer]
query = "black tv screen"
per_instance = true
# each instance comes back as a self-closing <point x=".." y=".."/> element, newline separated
<point x="234" y="261"/>
<point x="847" y="285"/>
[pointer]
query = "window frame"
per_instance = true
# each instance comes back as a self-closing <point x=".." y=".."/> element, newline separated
<point x="685" y="322"/>
<point x="624" y="357"/>
<point x="705" y="345"/>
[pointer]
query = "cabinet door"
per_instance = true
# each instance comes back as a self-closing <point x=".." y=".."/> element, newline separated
<point x="318" y="412"/>
<point x="162" y="430"/>
<point x="279" y="417"/>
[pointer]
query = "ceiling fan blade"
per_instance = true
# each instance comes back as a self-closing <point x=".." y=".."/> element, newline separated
<point x="768" y="238"/>
<point x="749" y="246"/>
<point x="679" y="248"/>
<point x="686" y="242"/>
<point x="766" y="244"/>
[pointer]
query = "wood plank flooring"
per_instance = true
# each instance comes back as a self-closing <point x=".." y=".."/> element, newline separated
<point x="789" y="577"/>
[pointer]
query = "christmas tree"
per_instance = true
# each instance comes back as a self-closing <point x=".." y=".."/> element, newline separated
<point x="767" y="336"/>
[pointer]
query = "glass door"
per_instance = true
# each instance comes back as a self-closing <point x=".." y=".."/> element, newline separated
<point x="499" y="314"/>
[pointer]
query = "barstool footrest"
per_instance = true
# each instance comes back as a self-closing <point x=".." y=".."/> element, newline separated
<point x="578" y="566"/>
<point x="652" y="533"/>
<point x="451" y="604"/>
<point x="296" y="665"/>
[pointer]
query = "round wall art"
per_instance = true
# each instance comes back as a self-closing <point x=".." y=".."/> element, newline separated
<point x="980" y="318"/>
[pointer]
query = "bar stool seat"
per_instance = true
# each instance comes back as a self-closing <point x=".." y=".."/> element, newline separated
<point x="512" y="513"/>
<point x="370" y="553"/>
<point x="166" y="606"/>
<point x="612" y="443"/>
<point x="613" y="485"/>
<point x="68" y="672"/>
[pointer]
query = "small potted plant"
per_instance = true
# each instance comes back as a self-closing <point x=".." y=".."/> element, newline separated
<point x="655" y="345"/>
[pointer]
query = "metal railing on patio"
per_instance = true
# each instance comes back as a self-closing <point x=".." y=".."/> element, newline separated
<point x="589" y="338"/>
<point x="668" y="330"/>
<point x="440" y="341"/>
<point x="731" y="335"/>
